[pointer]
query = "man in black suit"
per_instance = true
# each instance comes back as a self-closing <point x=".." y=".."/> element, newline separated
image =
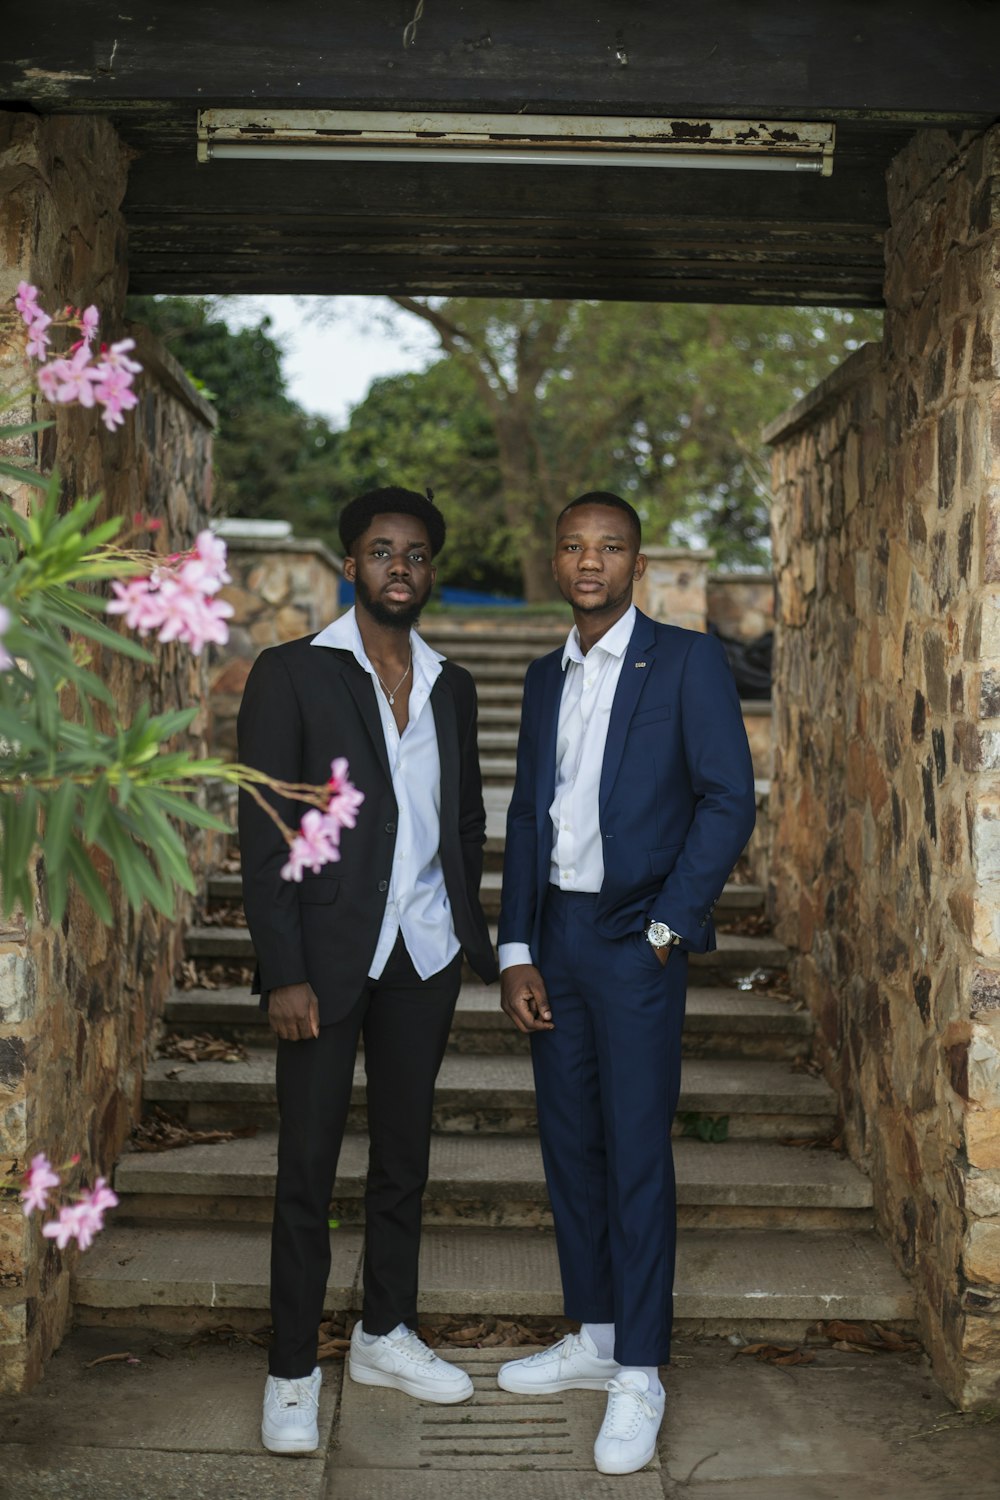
<point x="371" y="945"/>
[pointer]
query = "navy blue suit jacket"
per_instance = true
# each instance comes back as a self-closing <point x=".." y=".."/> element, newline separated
<point x="677" y="801"/>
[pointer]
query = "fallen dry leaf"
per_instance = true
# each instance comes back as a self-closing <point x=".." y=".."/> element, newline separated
<point x="113" y="1359"/>
<point x="158" y="1131"/>
<point x="202" y="1047"/>
<point x="778" y="1354"/>
<point x="866" y="1338"/>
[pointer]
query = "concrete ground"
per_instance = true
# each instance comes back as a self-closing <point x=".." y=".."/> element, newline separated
<point x="178" y="1420"/>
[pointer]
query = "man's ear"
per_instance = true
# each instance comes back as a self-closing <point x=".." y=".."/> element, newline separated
<point x="640" y="565"/>
<point x="350" y="571"/>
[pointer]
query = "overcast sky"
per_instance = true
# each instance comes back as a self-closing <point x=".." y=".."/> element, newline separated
<point x="330" y="362"/>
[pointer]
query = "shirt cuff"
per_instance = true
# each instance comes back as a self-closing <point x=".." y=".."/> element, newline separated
<point x="514" y="953"/>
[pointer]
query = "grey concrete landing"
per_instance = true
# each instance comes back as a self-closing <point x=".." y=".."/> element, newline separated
<point x="182" y="1424"/>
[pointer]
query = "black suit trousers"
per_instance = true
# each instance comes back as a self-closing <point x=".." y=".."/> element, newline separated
<point x="405" y="1023"/>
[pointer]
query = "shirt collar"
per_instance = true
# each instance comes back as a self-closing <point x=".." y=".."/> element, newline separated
<point x="614" y="641"/>
<point x="344" y="634"/>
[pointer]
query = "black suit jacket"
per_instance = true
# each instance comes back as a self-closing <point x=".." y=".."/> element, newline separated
<point x="303" y="705"/>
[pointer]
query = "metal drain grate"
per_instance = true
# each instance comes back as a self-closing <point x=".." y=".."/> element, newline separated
<point x="492" y="1431"/>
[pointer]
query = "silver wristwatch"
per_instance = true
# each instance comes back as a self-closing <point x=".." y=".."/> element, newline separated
<point x="659" y="935"/>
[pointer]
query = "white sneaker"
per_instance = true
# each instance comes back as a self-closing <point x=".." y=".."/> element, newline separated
<point x="571" y="1365"/>
<point x="289" y="1422"/>
<point x="403" y="1362"/>
<point x="627" y="1439"/>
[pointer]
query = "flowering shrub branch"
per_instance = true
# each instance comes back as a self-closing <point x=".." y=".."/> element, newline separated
<point x="69" y="784"/>
<point x="79" y="1218"/>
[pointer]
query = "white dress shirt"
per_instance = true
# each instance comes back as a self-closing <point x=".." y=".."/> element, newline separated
<point x="588" y="692"/>
<point x="418" y="901"/>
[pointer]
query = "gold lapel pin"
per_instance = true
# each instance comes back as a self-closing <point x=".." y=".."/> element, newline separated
<point x="640" y="663"/>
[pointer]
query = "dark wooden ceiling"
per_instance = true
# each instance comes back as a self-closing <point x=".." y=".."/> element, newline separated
<point x="879" y="69"/>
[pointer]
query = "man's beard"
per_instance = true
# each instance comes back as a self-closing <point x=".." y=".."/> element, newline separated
<point x="403" y="618"/>
<point x="599" y="606"/>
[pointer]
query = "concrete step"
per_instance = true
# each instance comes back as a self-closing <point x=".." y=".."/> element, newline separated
<point x="499" y="1181"/>
<point x="719" y="1022"/>
<point x="763" y="1100"/>
<point x="496" y="740"/>
<point x="735" y="900"/>
<point x="761" y="1283"/>
<point x="500" y="715"/>
<point x="497" y="770"/>
<point x="735" y="954"/>
<point x="508" y="694"/>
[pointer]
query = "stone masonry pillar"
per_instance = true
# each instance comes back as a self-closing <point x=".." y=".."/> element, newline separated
<point x="886" y="851"/>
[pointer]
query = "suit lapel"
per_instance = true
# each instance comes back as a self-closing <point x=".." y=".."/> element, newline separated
<point x="442" y="703"/>
<point x="548" y="724"/>
<point x="360" y="685"/>
<point x="637" y="663"/>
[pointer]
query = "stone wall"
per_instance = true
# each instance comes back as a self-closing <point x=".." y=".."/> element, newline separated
<point x="78" y="1003"/>
<point x="282" y="587"/>
<point x="740" y="605"/>
<point x="885" y="803"/>
<point x="674" y="586"/>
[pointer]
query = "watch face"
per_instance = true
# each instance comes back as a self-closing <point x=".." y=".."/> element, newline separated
<point x="659" y="934"/>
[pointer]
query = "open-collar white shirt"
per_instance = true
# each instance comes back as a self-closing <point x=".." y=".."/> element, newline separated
<point x="418" y="902"/>
<point x="588" y="693"/>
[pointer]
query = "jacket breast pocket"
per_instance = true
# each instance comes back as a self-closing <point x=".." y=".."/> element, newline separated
<point x="649" y="716"/>
<point x="320" y="890"/>
<point x="662" y="861"/>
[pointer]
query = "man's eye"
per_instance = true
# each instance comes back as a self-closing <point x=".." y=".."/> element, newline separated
<point x="416" y="557"/>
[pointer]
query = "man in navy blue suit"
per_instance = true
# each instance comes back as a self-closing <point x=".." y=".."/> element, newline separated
<point x="633" y="800"/>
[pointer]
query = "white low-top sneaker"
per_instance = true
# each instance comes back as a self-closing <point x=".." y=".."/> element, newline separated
<point x="627" y="1439"/>
<point x="289" y="1422"/>
<point x="403" y="1362"/>
<point x="571" y="1365"/>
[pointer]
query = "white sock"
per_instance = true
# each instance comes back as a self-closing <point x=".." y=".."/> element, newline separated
<point x="651" y="1373"/>
<point x="399" y="1332"/>
<point x="602" y="1336"/>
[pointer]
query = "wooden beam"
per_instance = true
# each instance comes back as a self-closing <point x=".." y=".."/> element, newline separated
<point x="922" y="59"/>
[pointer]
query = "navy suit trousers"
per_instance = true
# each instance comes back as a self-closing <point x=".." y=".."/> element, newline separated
<point x="607" y="1079"/>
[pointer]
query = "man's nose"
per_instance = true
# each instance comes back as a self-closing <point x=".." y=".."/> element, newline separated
<point x="400" y="564"/>
<point x="590" y="559"/>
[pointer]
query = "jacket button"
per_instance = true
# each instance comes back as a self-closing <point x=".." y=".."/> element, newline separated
<point x="383" y="885"/>
<point x="390" y="828"/>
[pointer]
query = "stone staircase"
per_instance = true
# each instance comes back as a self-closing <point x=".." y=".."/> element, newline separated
<point x="772" y="1236"/>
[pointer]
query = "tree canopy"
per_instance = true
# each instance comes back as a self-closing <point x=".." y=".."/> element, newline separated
<point x="272" y="459"/>
<point x="530" y="403"/>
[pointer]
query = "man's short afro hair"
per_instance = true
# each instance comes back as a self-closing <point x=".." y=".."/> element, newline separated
<point x="357" y="516"/>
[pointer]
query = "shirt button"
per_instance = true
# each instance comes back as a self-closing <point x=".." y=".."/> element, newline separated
<point x="383" y="885"/>
<point x="390" y="828"/>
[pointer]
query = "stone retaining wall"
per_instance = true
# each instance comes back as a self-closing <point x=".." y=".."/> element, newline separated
<point x="885" y="801"/>
<point x="78" y="1003"/>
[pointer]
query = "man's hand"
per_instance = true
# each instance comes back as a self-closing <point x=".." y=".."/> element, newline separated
<point x="293" y="1012"/>
<point x="663" y="953"/>
<point x="523" y="998"/>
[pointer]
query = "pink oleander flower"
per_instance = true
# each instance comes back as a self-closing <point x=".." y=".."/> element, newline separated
<point x="116" y="358"/>
<point x="26" y="301"/>
<point x="211" y="551"/>
<point x="189" y="616"/>
<point x="75" y="1222"/>
<point x="312" y="847"/>
<point x="142" y="606"/>
<point x="89" y="319"/>
<point x="38" y="338"/>
<point x="48" y="378"/>
<point x="114" y="393"/>
<point x="345" y="799"/>
<point x="77" y="378"/>
<point x="38" y="1179"/>
<point x="6" y="660"/>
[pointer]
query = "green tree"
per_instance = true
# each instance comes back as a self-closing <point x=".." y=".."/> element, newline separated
<point x="662" y="402"/>
<point x="272" y="459"/>
<point x="425" y="429"/>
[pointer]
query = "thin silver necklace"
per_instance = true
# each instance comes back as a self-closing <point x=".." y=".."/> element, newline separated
<point x="390" y="693"/>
